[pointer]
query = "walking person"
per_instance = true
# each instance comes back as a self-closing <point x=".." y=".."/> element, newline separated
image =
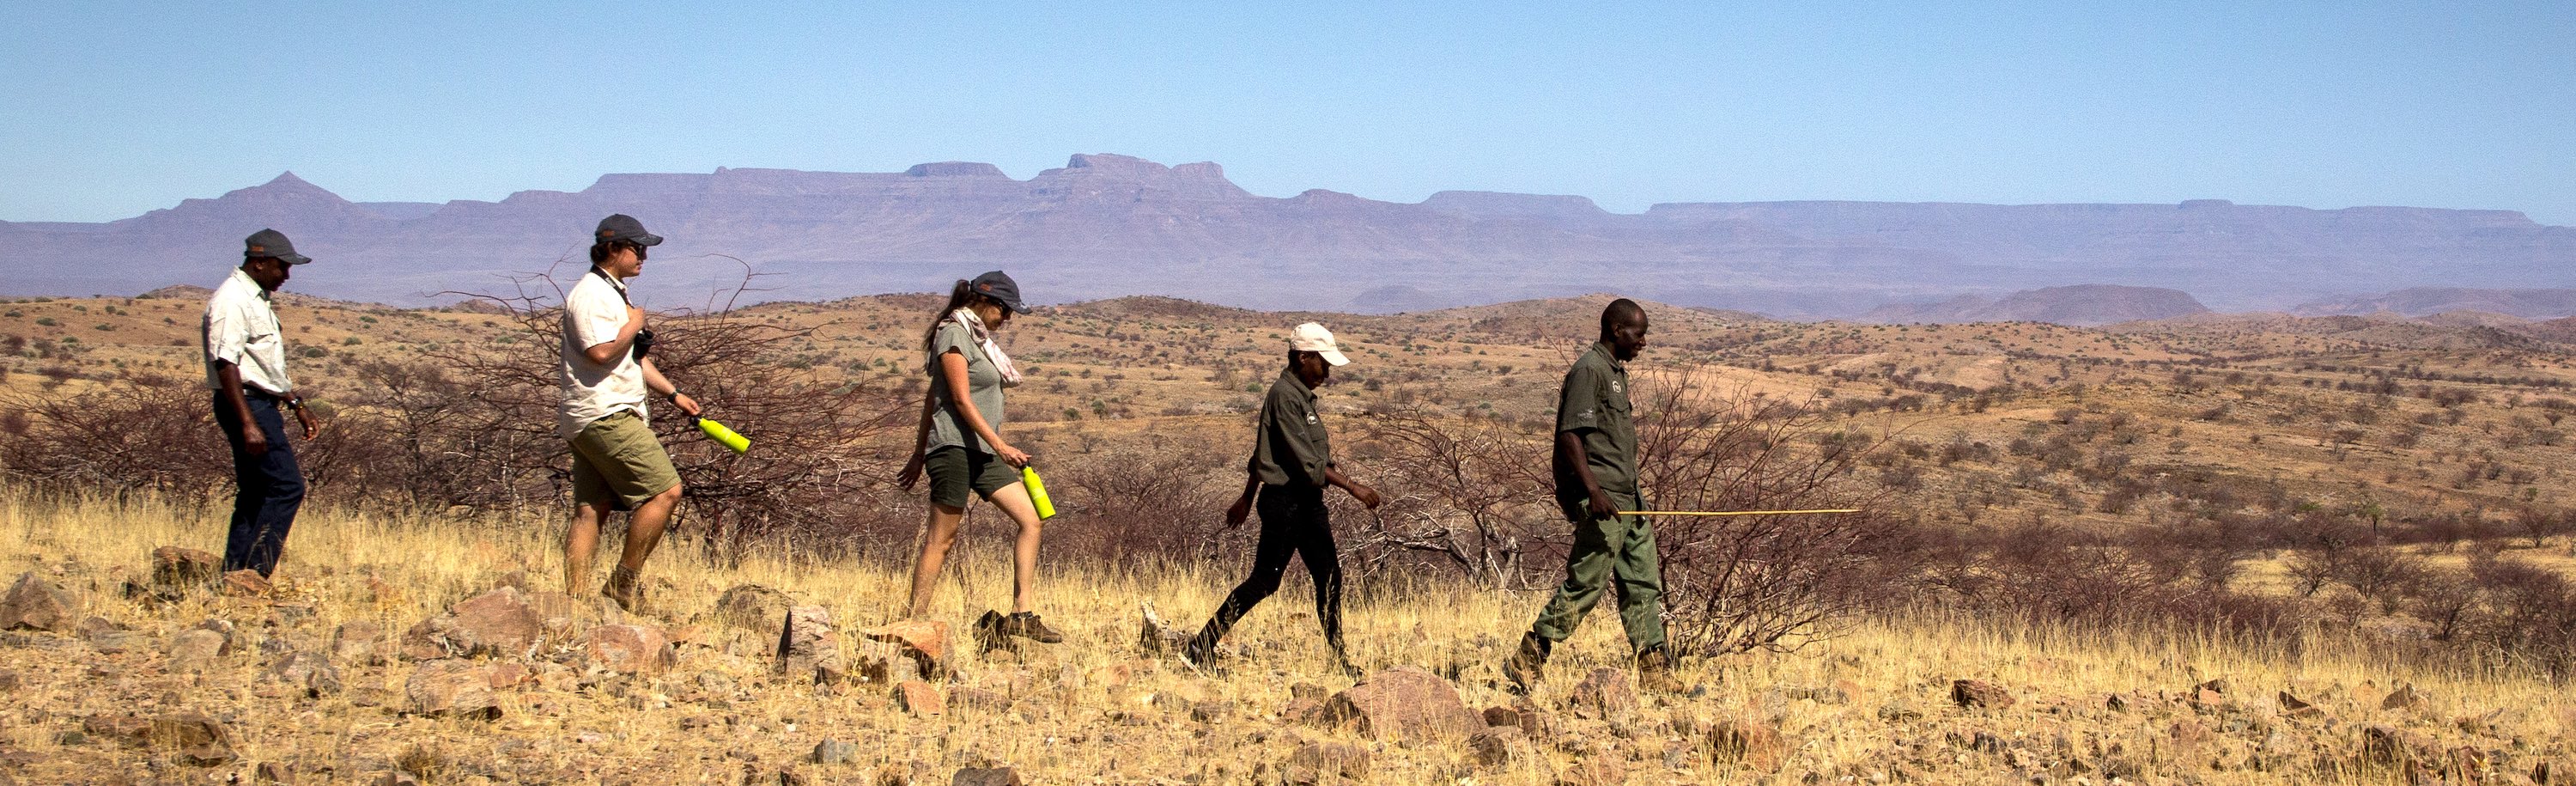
<point x="617" y="462"/>
<point x="1596" y="477"/>
<point x="1292" y="462"/>
<point x="959" y="443"/>
<point x="245" y="354"/>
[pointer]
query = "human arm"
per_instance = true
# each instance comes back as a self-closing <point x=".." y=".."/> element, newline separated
<point x="1570" y="453"/>
<point x="952" y="372"/>
<point x="920" y="442"/>
<point x="228" y="378"/>
<point x="661" y="386"/>
<point x="1236" y="513"/>
<point x="606" y="353"/>
<point x="1359" y="491"/>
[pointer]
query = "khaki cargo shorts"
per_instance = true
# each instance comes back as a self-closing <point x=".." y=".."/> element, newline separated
<point x="618" y="463"/>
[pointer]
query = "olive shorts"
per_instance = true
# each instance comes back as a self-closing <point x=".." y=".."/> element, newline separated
<point x="954" y="470"/>
<point x="617" y="463"/>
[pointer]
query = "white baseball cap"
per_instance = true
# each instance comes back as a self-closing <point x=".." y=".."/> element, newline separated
<point x="1311" y="337"/>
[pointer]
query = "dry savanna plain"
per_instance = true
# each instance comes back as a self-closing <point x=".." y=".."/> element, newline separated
<point x="2226" y="549"/>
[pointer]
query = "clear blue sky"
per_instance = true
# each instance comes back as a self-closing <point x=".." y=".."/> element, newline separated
<point x="115" y="108"/>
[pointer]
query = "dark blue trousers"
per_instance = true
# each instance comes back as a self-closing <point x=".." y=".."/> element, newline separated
<point x="271" y="487"/>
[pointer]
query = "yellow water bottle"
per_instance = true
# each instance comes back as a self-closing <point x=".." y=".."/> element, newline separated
<point x="1037" y="491"/>
<point x="724" y="436"/>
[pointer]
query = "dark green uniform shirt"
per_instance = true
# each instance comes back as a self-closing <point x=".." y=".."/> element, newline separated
<point x="1291" y="448"/>
<point x="1594" y="406"/>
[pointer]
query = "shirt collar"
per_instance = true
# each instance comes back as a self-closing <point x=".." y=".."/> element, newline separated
<point x="620" y="286"/>
<point x="244" y="277"/>
<point x="1289" y="377"/>
<point x="1617" y="365"/>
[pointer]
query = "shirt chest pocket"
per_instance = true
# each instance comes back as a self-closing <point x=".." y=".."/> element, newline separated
<point x="1614" y="403"/>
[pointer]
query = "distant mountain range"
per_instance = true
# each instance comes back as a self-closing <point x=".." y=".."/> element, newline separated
<point x="2083" y="304"/>
<point x="1108" y="225"/>
<point x="2425" y="301"/>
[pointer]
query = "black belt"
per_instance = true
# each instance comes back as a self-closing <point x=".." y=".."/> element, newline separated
<point x="253" y="392"/>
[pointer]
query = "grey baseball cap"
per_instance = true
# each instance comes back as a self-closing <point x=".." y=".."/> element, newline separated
<point x="624" y="227"/>
<point x="272" y="243"/>
<point x="999" y="286"/>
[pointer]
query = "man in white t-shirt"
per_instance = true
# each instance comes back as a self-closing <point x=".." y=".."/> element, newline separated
<point x="245" y="353"/>
<point x="617" y="463"/>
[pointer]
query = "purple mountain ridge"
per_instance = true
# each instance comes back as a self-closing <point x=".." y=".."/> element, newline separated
<point x="1110" y="225"/>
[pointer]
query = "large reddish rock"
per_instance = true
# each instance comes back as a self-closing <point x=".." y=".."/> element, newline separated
<point x="1605" y="693"/>
<point x="451" y="688"/>
<point x="495" y="623"/>
<point x="926" y="642"/>
<point x="755" y="608"/>
<point x="629" y="649"/>
<point x="918" y="698"/>
<point x="1752" y="746"/>
<point x="1404" y="701"/>
<point x="173" y="566"/>
<point x="808" y="647"/>
<point x="34" y="604"/>
<point x="1978" y="694"/>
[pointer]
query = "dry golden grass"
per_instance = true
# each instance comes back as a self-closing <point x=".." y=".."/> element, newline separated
<point x="1869" y="706"/>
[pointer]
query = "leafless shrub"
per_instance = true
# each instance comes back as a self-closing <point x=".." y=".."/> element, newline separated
<point x="1471" y="494"/>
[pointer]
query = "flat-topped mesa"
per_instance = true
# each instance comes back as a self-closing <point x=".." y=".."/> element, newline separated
<point x="954" y="169"/>
<point x="1493" y="204"/>
<point x="1109" y="174"/>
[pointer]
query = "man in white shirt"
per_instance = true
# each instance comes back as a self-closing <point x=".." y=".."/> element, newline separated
<point x="617" y="462"/>
<point x="245" y="356"/>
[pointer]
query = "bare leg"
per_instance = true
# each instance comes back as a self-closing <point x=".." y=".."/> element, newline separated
<point x="644" y="528"/>
<point x="938" y="534"/>
<point x="1014" y="500"/>
<point x="579" y="544"/>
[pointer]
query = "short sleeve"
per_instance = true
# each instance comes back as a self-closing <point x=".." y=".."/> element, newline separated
<point x="1578" y="406"/>
<point x="951" y="337"/>
<point x="597" y="319"/>
<point x="227" y="333"/>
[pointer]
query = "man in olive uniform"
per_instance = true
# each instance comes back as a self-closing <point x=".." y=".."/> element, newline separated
<point x="1292" y="462"/>
<point x="245" y="352"/>
<point x="1596" y="478"/>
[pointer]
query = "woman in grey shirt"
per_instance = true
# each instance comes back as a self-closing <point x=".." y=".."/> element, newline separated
<point x="960" y="444"/>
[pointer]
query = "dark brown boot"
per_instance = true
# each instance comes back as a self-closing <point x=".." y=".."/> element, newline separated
<point x="624" y="589"/>
<point x="1655" y="671"/>
<point x="1527" y="665"/>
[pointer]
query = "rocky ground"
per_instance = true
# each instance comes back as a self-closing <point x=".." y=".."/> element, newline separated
<point x="155" y="669"/>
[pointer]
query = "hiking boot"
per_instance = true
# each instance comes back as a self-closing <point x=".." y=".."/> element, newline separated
<point x="1026" y="625"/>
<point x="1655" y="671"/>
<point x="1343" y="664"/>
<point x="624" y="589"/>
<point x="1528" y="665"/>
<point x="988" y="632"/>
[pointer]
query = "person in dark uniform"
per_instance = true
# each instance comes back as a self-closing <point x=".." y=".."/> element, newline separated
<point x="1292" y="462"/>
<point x="1596" y="478"/>
<point x="245" y="353"/>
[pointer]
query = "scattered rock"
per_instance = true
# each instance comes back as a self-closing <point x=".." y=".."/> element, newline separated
<point x="359" y="643"/>
<point x="1752" y="746"/>
<point x="918" y="698"/>
<point x="2393" y="747"/>
<point x="274" y="772"/>
<point x="630" y="649"/>
<point x="112" y="639"/>
<point x="9" y="680"/>
<point x="1304" y="711"/>
<point x="450" y="687"/>
<point x="1404" y="701"/>
<point x="2292" y="706"/>
<point x="755" y="608"/>
<point x="1977" y="694"/>
<point x="1159" y="638"/>
<point x="1492" y="746"/>
<point x="34" y="604"/>
<point x="1899" y="711"/>
<point x="173" y="566"/>
<point x="832" y="751"/>
<point x="246" y="583"/>
<point x="1211" y="711"/>
<point x="885" y="663"/>
<point x="808" y="649"/>
<point x="2116" y="703"/>
<point x="309" y="672"/>
<point x="1595" y="771"/>
<point x="986" y="776"/>
<point x="200" y="740"/>
<point x="1502" y="716"/>
<point x="2404" y="697"/>
<point x="925" y="641"/>
<point x="1307" y="690"/>
<point x="495" y="623"/>
<point x="1326" y="762"/>
<point x="2218" y="685"/>
<point x="1605" y="693"/>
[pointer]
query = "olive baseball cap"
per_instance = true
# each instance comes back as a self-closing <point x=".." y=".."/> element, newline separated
<point x="272" y="243"/>
<point x="624" y="227"/>
<point x="1312" y="337"/>
<point x="999" y="286"/>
